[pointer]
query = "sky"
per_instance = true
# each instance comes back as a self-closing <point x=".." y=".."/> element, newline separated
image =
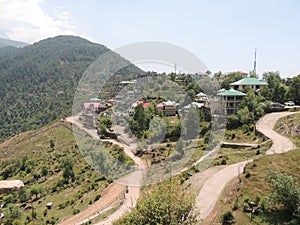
<point x="223" y="34"/>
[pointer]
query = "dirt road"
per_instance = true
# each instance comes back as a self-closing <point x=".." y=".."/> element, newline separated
<point x="280" y="143"/>
<point x="213" y="187"/>
<point x="211" y="181"/>
<point x="115" y="190"/>
<point x="127" y="205"/>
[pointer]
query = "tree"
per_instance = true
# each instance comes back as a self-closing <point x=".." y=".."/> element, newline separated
<point x="252" y="102"/>
<point x="286" y="192"/>
<point x="44" y="171"/>
<point x="277" y="91"/>
<point x="191" y="93"/>
<point x="230" y="78"/>
<point x="227" y="218"/>
<point x="273" y="79"/>
<point x="233" y="122"/>
<point x="36" y="190"/>
<point x="23" y="196"/>
<point x="245" y="116"/>
<point x="279" y="94"/>
<point x="68" y="171"/>
<point x="140" y="121"/>
<point x="52" y="145"/>
<point x="180" y="147"/>
<point x="102" y="129"/>
<point x="168" y="203"/>
<point x="12" y="214"/>
<point x="294" y="90"/>
<point x="191" y="123"/>
<point x="8" y="199"/>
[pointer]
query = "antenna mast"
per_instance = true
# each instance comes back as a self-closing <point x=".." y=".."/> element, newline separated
<point x="254" y="70"/>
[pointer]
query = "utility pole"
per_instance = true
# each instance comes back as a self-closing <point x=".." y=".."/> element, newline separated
<point x="175" y="67"/>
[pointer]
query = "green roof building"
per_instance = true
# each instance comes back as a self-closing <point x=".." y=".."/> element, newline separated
<point x="230" y="100"/>
<point x="248" y="82"/>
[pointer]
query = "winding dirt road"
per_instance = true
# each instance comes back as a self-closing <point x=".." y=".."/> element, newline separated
<point x="280" y="143"/>
<point x="211" y="182"/>
<point x="115" y="190"/>
<point x="213" y="186"/>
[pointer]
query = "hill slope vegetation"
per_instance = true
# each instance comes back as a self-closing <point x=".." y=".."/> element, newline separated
<point x="37" y="82"/>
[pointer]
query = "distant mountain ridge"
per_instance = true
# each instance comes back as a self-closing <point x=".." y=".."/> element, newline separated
<point x="38" y="82"/>
<point x="7" y="42"/>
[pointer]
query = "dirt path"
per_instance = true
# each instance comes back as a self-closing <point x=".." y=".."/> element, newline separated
<point x="213" y="187"/>
<point x="109" y="196"/>
<point x="128" y="148"/>
<point x="115" y="190"/>
<point x="130" y="202"/>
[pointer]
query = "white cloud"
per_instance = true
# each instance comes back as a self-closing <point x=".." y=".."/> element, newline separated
<point x="25" y="20"/>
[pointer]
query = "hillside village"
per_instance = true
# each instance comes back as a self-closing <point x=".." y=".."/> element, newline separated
<point x="51" y="179"/>
<point x="223" y="102"/>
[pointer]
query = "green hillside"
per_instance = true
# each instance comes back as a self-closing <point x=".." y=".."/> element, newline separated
<point x="53" y="170"/>
<point x="37" y="82"/>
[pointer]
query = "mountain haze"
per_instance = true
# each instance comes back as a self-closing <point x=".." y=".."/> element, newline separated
<point x="7" y="42"/>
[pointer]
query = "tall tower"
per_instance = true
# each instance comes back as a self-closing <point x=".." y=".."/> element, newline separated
<point x="254" y="70"/>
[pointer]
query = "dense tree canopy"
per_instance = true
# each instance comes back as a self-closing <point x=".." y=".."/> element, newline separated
<point x="276" y="90"/>
<point x="230" y="78"/>
<point x="286" y="193"/>
<point x="294" y="91"/>
<point x="37" y="82"/>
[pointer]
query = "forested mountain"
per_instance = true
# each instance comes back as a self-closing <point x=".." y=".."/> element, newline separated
<point x="37" y="82"/>
<point x="8" y="42"/>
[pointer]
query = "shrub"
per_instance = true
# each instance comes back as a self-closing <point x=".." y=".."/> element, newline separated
<point x="248" y="175"/>
<point x="45" y="212"/>
<point x="232" y="136"/>
<point x="232" y="122"/>
<point x="257" y="198"/>
<point x="235" y="206"/>
<point x="75" y="211"/>
<point x="98" y="196"/>
<point x="223" y="162"/>
<point x="227" y="218"/>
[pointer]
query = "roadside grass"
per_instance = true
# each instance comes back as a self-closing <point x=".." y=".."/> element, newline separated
<point x="228" y="156"/>
<point x="255" y="185"/>
<point x="68" y="198"/>
<point x="240" y="136"/>
<point x="289" y="126"/>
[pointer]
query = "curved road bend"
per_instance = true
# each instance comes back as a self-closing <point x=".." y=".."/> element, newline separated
<point x="280" y="143"/>
<point x="113" y="191"/>
<point x="213" y="187"/>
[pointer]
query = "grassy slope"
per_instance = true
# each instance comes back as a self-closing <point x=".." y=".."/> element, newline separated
<point x="289" y="126"/>
<point x="35" y="145"/>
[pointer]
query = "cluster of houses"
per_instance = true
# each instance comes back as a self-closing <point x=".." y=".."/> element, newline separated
<point x="167" y="108"/>
<point x="230" y="99"/>
<point x="226" y="102"/>
<point x="92" y="108"/>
